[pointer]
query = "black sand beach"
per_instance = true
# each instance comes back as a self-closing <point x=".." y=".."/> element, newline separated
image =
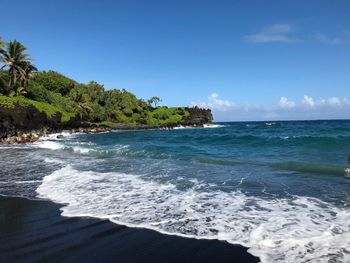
<point x="34" y="231"/>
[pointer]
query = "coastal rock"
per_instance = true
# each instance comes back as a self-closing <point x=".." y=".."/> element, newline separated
<point x="197" y="117"/>
<point x="26" y="124"/>
<point x="22" y="120"/>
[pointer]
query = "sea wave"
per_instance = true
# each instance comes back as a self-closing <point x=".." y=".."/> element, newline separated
<point x="83" y="148"/>
<point x="204" y="126"/>
<point x="260" y="140"/>
<point x="213" y="126"/>
<point x="313" y="168"/>
<point x="52" y="145"/>
<point x="22" y="182"/>
<point x="299" y="229"/>
<point x="310" y="168"/>
<point x="53" y="136"/>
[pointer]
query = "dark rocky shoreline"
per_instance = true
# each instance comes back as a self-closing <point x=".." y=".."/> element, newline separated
<point x="27" y="124"/>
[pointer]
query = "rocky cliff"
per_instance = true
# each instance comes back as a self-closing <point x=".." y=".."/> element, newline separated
<point x="198" y="117"/>
<point x="29" y="121"/>
<point x="17" y="120"/>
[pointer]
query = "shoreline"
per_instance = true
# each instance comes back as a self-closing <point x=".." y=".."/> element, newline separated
<point x="34" y="230"/>
<point x="35" y="135"/>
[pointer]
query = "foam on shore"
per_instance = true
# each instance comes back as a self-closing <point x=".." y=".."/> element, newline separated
<point x="299" y="229"/>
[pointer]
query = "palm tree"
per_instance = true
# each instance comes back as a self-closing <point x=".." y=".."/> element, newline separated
<point x="154" y="100"/>
<point x="29" y="71"/>
<point x="1" y="43"/>
<point x="18" y="64"/>
<point x="2" y="80"/>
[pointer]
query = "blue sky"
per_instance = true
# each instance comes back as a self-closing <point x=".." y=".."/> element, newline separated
<point x="247" y="60"/>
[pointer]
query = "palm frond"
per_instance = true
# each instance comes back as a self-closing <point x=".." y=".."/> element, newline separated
<point x="20" y="69"/>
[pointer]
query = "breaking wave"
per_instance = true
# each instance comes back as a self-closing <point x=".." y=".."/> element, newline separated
<point x="83" y="148"/>
<point x="298" y="229"/>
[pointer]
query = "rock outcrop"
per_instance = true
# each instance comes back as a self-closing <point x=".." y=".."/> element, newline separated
<point x="26" y="124"/>
<point x="17" y="120"/>
<point x="198" y="117"/>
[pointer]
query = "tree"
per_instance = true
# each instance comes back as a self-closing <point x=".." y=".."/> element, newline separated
<point x="2" y="44"/>
<point x="54" y="81"/>
<point x="154" y="100"/>
<point x="18" y="92"/>
<point x="2" y="79"/>
<point x="18" y="64"/>
<point x="29" y="71"/>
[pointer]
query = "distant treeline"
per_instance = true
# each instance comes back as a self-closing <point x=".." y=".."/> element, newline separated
<point x="22" y="84"/>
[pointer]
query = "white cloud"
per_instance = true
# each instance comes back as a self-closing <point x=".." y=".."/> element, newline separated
<point x="334" y="101"/>
<point x="279" y="28"/>
<point x="341" y="38"/>
<point x="286" y="104"/>
<point x="283" y="33"/>
<point x="327" y="39"/>
<point x="214" y="103"/>
<point x="285" y="109"/>
<point x="274" y="33"/>
<point x="308" y="101"/>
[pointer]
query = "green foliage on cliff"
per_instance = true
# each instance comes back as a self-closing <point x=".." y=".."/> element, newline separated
<point x="51" y="92"/>
<point x="54" y="81"/>
<point x="92" y="103"/>
<point x="163" y="115"/>
<point x="48" y="109"/>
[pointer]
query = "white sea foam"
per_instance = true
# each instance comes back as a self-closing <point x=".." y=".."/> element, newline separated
<point x="213" y="126"/>
<point x="82" y="150"/>
<point x="299" y="229"/>
<point x="204" y="126"/>
<point x="182" y="127"/>
<point x="49" y="145"/>
<point x="14" y="146"/>
<point x="53" y="136"/>
<point x="53" y="145"/>
<point x="56" y="161"/>
<point x="22" y="182"/>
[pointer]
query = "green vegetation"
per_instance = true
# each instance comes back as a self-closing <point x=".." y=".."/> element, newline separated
<point x="51" y="92"/>
<point x="48" y="109"/>
<point x="18" y="65"/>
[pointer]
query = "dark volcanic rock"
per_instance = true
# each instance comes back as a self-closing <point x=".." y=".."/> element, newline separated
<point x="198" y="117"/>
<point x="26" y="124"/>
<point x="24" y="120"/>
<point x="75" y="122"/>
<point x="123" y="126"/>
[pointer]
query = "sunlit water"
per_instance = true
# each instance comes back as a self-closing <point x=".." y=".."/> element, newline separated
<point x="277" y="187"/>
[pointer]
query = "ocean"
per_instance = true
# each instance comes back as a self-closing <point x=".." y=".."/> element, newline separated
<point x="277" y="188"/>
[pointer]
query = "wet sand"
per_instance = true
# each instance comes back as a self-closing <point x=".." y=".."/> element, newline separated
<point x="34" y="231"/>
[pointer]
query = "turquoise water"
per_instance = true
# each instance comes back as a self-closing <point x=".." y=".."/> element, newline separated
<point x="276" y="187"/>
